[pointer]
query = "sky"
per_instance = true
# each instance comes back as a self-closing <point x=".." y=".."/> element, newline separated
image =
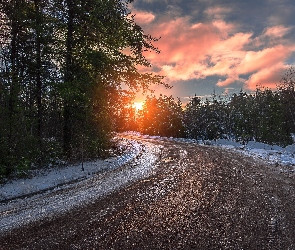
<point x="219" y="46"/>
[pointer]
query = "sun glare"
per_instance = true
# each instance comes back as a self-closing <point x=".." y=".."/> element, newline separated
<point x="138" y="105"/>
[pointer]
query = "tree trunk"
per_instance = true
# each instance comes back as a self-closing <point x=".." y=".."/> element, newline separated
<point x="13" y="94"/>
<point x="68" y="78"/>
<point x="38" y="67"/>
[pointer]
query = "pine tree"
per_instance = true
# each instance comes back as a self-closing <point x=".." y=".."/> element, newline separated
<point x="286" y="89"/>
<point x="162" y="116"/>
<point x="62" y="63"/>
<point x="270" y="125"/>
<point x="191" y="118"/>
<point x="17" y="142"/>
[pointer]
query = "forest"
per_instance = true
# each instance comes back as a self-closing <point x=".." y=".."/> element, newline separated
<point x="65" y="67"/>
<point x="264" y="115"/>
<point x="68" y="76"/>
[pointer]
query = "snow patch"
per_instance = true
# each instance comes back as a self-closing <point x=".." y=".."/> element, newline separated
<point x="50" y="178"/>
<point x="273" y="154"/>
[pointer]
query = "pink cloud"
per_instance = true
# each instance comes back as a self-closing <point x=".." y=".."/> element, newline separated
<point x="217" y="12"/>
<point x="180" y="34"/>
<point x="223" y="27"/>
<point x="199" y="50"/>
<point x="184" y="46"/>
<point x="277" y="31"/>
<point x="272" y="36"/>
<point x="143" y="17"/>
<point x="258" y="60"/>
<point x="234" y="43"/>
<point x="228" y="81"/>
<point x="267" y="77"/>
<point x="227" y="55"/>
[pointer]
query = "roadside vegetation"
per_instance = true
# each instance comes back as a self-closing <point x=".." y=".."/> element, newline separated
<point x="265" y="115"/>
<point x="68" y="76"/>
<point x="65" y="68"/>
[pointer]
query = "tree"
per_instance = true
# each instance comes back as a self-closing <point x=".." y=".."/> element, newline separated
<point x="286" y="89"/>
<point x="161" y="116"/>
<point x="62" y="64"/>
<point x="207" y="120"/>
<point x="96" y="66"/>
<point x="123" y="111"/>
<point x="271" y="125"/>
<point x="192" y="118"/>
<point x="259" y="116"/>
<point x="17" y="144"/>
<point x="243" y="116"/>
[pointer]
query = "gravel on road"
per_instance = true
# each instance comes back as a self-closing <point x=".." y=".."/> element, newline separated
<point x="195" y="197"/>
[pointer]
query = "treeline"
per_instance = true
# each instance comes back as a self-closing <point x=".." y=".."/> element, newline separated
<point x="265" y="116"/>
<point x="63" y="64"/>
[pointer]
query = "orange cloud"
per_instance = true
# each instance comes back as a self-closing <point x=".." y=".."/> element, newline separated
<point x="184" y="46"/>
<point x="267" y="77"/>
<point x="277" y="31"/>
<point x="199" y="50"/>
<point x="143" y="17"/>
<point x="258" y="60"/>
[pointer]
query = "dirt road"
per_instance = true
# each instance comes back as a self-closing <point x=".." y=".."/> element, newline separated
<point x="196" y="197"/>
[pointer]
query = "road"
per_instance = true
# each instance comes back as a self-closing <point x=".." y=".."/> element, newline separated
<point x="193" y="197"/>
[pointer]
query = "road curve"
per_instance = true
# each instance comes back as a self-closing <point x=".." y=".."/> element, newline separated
<point x="189" y="197"/>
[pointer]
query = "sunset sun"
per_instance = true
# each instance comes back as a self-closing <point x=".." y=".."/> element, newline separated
<point x="138" y="105"/>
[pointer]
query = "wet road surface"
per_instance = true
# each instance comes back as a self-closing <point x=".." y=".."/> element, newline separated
<point x="195" y="197"/>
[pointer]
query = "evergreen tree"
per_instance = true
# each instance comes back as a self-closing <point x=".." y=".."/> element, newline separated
<point x="123" y="111"/>
<point x="270" y="125"/>
<point x="96" y="66"/>
<point x="207" y="120"/>
<point x="16" y="137"/>
<point x="260" y="116"/>
<point x="192" y="118"/>
<point x="243" y="116"/>
<point x="162" y="116"/>
<point x="286" y="89"/>
<point x="62" y="63"/>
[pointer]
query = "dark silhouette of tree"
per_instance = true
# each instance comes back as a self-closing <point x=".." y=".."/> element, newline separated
<point x="161" y="116"/>
<point x="260" y="116"/>
<point x="286" y="89"/>
<point x="62" y="63"/>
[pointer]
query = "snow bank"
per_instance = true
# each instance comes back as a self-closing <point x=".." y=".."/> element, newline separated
<point x="51" y="178"/>
<point x="47" y="179"/>
<point x="273" y="154"/>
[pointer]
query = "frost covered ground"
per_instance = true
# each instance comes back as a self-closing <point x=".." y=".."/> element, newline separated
<point x="171" y="194"/>
<point x="49" y="179"/>
<point x="57" y="191"/>
<point x="272" y="154"/>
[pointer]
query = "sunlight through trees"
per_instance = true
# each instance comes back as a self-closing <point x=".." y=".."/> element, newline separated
<point x="62" y="68"/>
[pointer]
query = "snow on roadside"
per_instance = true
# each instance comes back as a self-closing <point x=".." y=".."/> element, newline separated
<point x="50" y="178"/>
<point x="270" y="153"/>
<point x="141" y="161"/>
